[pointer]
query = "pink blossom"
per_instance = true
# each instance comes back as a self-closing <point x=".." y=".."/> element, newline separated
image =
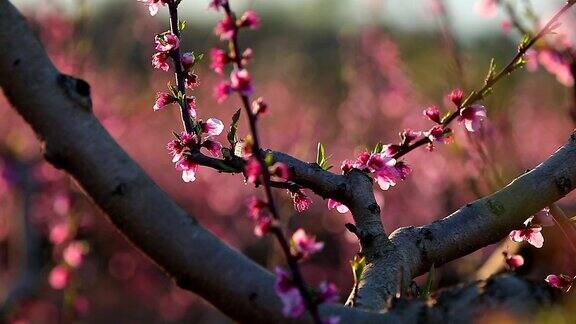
<point x="563" y="282"/>
<point x="439" y="134"/>
<point x="212" y="127"/>
<point x="188" y="169"/>
<point x="513" y="261"/>
<point x="176" y="147"/>
<point x="241" y="82"/>
<point x="74" y="253"/>
<point x="456" y="96"/>
<point x="361" y="162"/>
<point x="327" y="292"/>
<point x="187" y="60"/>
<point x="222" y="91"/>
<point x="255" y="207"/>
<point x="407" y="136"/>
<point x="558" y="65"/>
<point x="59" y="277"/>
<point x="214" y="147"/>
<point x="289" y="294"/>
<point x="342" y="209"/>
<point x="218" y="59"/>
<point x="280" y="170"/>
<point x="166" y="41"/>
<point x="259" y="106"/>
<point x="263" y="225"/>
<point x="153" y="5"/>
<point x="253" y="170"/>
<point x="250" y="19"/>
<point x="383" y="168"/>
<point x="346" y="166"/>
<point x="191" y="103"/>
<point x="58" y="233"/>
<point x="472" y="116"/>
<point x="532" y="235"/>
<point x="331" y="320"/>
<point x="247" y="56"/>
<point x="226" y="28"/>
<point x="190" y="81"/>
<point x="163" y="99"/>
<point x="301" y="201"/>
<point x="256" y="212"/>
<point x="217" y="4"/>
<point x="486" y="8"/>
<point x="506" y="26"/>
<point x="160" y="61"/>
<point x="432" y="113"/>
<point x="531" y="58"/>
<point x="304" y="244"/>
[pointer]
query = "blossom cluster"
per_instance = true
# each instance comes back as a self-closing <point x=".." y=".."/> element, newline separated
<point x="386" y="170"/>
<point x="294" y="304"/>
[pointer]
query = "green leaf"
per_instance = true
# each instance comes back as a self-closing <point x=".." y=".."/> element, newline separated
<point x="358" y="264"/>
<point x="268" y="159"/>
<point x="429" y="282"/>
<point x="320" y="154"/>
<point x="233" y="128"/>
<point x="198" y="57"/>
<point x="491" y="71"/>
<point x="379" y="148"/>
<point x="181" y="25"/>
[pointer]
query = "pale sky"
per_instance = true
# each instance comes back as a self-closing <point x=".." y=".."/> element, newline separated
<point x="406" y="14"/>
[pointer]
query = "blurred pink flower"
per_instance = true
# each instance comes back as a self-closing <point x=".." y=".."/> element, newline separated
<point x="218" y="60"/>
<point x="291" y="298"/>
<point x="74" y="253"/>
<point x="280" y="170"/>
<point x="222" y="91"/>
<point x="217" y="4"/>
<point x="513" y="261"/>
<point x="250" y="19"/>
<point x="253" y="170"/>
<point x="225" y="28"/>
<point x="304" y="244"/>
<point x="241" y="81"/>
<point x="486" y="8"/>
<point x="59" y="277"/>
<point x="339" y="206"/>
<point x="327" y="292"/>
<point x="472" y="117"/>
<point x="153" y="5"/>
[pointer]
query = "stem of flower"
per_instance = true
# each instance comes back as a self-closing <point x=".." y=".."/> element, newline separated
<point x="292" y="261"/>
<point x="480" y="94"/>
<point x="179" y="71"/>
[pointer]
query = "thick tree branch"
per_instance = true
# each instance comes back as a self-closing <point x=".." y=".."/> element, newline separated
<point x="58" y="107"/>
<point x="476" y="225"/>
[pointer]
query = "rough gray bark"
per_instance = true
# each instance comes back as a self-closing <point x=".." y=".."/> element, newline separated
<point x="58" y="108"/>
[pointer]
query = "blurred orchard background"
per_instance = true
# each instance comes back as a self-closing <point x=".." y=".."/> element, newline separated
<point x="348" y="74"/>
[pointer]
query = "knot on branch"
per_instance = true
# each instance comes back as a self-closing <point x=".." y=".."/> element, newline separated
<point x="76" y="89"/>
